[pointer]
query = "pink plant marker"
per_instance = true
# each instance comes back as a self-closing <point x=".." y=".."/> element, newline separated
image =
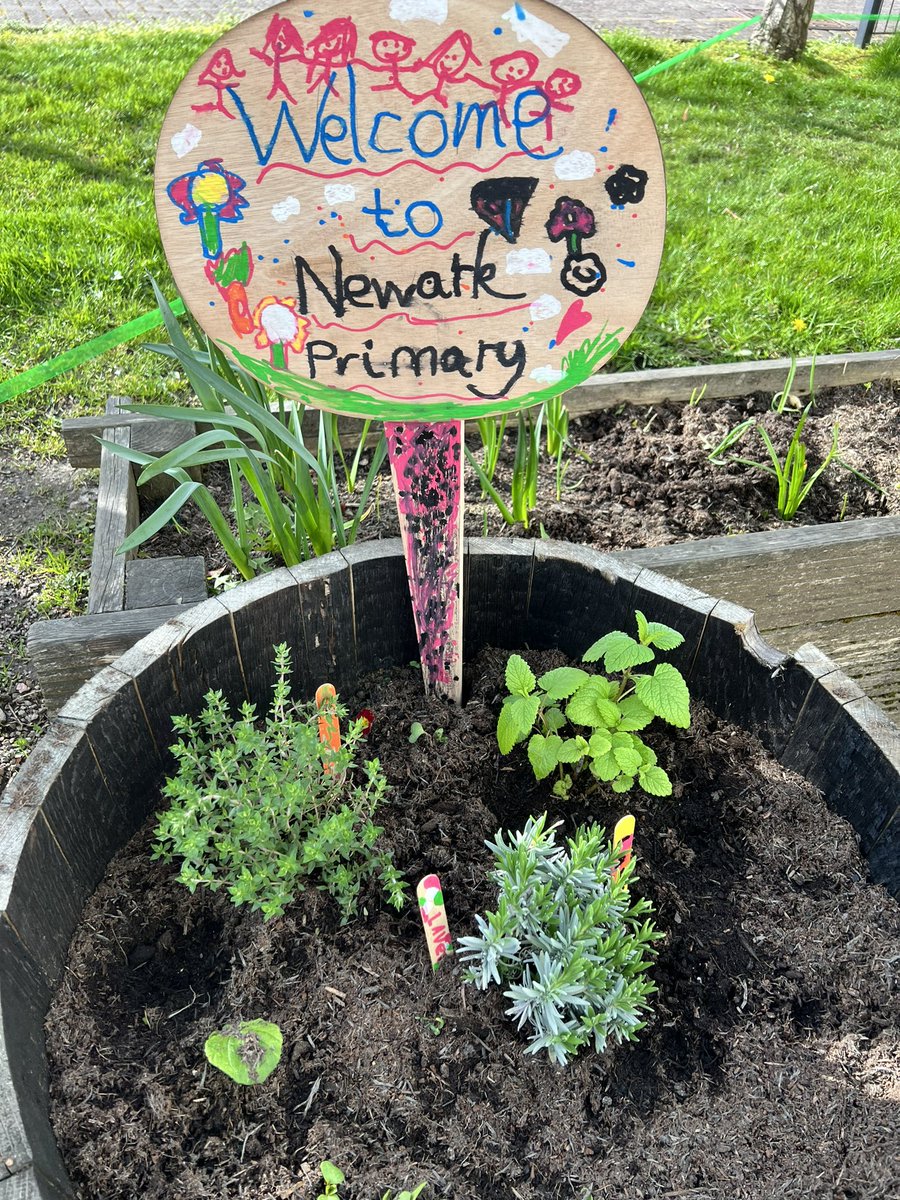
<point x="624" y="834"/>
<point x="426" y="464"/>
<point x="434" y="918"/>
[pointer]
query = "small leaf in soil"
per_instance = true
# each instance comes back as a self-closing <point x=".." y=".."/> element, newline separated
<point x="416" y="731"/>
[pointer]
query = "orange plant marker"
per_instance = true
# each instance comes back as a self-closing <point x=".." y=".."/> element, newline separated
<point x="434" y="918"/>
<point x="624" y="834"/>
<point x="329" y="726"/>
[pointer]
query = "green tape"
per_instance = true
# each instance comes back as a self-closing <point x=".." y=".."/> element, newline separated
<point x="124" y="333"/>
<point x="671" y="62"/>
<point x="79" y="355"/>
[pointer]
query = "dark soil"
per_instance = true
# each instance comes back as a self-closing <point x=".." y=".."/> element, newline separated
<point x="641" y="476"/>
<point x="770" y="1067"/>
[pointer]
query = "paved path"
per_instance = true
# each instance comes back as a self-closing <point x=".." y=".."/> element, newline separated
<point x="690" y="20"/>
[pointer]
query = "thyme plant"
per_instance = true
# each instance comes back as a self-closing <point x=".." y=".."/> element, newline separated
<point x="566" y="938"/>
<point x="261" y="806"/>
<point x="610" y="711"/>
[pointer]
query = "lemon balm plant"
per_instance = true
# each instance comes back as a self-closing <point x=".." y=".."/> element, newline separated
<point x="260" y="807"/>
<point x="578" y="719"/>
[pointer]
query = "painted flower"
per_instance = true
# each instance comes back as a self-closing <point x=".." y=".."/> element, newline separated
<point x="583" y="275"/>
<point x="207" y="197"/>
<point x="571" y="220"/>
<point x="280" y="328"/>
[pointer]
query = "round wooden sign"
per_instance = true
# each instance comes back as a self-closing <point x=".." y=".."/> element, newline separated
<point x="428" y="209"/>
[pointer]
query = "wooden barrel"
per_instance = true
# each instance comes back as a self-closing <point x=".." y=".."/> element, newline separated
<point x="94" y="777"/>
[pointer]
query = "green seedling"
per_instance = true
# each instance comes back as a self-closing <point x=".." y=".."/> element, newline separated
<point x="388" y="1195"/>
<point x="247" y="1053"/>
<point x="332" y="1177"/>
<point x="609" y="711"/>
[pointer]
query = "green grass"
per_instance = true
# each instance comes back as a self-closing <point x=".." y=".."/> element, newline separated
<point x="56" y="554"/>
<point x="784" y="208"/>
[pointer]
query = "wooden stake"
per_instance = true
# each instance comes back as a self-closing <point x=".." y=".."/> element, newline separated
<point x="624" y="834"/>
<point x="329" y="725"/>
<point x="426" y="465"/>
<point x="434" y="918"/>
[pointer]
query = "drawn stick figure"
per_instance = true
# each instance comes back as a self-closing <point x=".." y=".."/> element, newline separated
<point x="390" y="50"/>
<point x="219" y="73"/>
<point x="332" y="48"/>
<point x="283" y="44"/>
<point x="448" y="63"/>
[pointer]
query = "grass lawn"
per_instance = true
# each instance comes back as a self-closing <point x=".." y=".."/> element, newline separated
<point x="784" y="208"/>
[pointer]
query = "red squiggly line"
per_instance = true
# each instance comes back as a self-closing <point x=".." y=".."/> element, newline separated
<point x="409" y="249"/>
<point x="415" y="320"/>
<point x="407" y="162"/>
<point x="362" y="387"/>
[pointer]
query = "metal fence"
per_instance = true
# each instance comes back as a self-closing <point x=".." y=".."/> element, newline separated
<point x="867" y="28"/>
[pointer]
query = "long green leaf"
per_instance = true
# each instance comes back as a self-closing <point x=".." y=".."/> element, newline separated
<point x="160" y="516"/>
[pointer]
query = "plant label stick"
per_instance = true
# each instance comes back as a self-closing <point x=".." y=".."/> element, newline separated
<point x="434" y="918"/>
<point x="329" y="725"/>
<point x="624" y="834"/>
<point x="440" y="226"/>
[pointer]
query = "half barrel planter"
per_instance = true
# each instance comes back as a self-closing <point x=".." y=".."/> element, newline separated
<point x="94" y="777"/>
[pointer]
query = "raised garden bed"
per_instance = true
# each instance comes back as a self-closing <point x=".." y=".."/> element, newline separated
<point x="91" y="782"/>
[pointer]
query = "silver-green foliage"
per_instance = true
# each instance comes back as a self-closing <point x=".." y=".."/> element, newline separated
<point x="254" y="809"/>
<point x="610" y="711"/>
<point x="567" y="939"/>
<point x="248" y="1052"/>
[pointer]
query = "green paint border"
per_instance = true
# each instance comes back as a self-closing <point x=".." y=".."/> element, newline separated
<point x="578" y="365"/>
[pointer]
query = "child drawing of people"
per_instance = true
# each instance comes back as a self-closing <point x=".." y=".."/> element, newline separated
<point x="333" y="47"/>
<point x="511" y="73"/>
<point x="219" y="73"/>
<point x="559" y="85"/>
<point x="283" y="44"/>
<point x="390" y="50"/>
<point x="448" y="62"/>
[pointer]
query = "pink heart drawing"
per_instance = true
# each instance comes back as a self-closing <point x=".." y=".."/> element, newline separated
<point x="574" y="319"/>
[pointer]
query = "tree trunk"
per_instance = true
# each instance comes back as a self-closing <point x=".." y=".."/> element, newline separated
<point x="784" y="27"/>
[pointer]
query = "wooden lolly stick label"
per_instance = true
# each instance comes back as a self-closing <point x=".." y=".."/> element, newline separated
<point x="434" y="918"/>
<point x="329" y="725"/>
<point x="623" y="834"/>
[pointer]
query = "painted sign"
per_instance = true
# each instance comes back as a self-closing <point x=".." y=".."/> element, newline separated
<point x="418" y="210"/>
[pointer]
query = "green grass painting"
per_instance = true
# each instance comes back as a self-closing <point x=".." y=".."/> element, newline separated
<point x="783" y="219"/>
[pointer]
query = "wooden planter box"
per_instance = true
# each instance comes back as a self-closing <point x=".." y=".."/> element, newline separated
<point x="94" y="777"/>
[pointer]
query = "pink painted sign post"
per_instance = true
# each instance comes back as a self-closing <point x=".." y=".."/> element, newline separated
<point x="423" y="212"/>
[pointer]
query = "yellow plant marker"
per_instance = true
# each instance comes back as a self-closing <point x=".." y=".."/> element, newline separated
<point x="624" y="834"/>
<point x="434" y="918"/>
<point x="329" y="726"/>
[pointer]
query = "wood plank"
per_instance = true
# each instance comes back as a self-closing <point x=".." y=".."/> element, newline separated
<point x="867" y="648"/>
<point x="380" y="629"/>
<point x="724" y="380"/>
<point x="67" y="651"/>
<point x="29" y="1184"/>
<point x="496" y="592"/>
<point x="117" y="516"/>
<point x="157" y="582"/>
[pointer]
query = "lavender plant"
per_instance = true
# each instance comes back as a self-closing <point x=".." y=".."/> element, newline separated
<point x="610" y="711"/>
<point x="567" y="939"/>
<point x="260" y="807"/>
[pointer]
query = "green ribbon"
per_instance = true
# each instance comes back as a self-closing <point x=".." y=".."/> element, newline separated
<point x="124" y="333"/>
<point x="79" y="355"/>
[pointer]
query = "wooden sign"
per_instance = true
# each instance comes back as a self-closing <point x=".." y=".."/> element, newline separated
<point x="424" y="210"/>
<point x="418" y="211"/>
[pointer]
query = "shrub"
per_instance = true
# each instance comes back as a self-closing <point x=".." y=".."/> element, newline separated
<point x="254" y="809"/>
<point x="567" y="938"/>
<point x="611" y="711"/>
